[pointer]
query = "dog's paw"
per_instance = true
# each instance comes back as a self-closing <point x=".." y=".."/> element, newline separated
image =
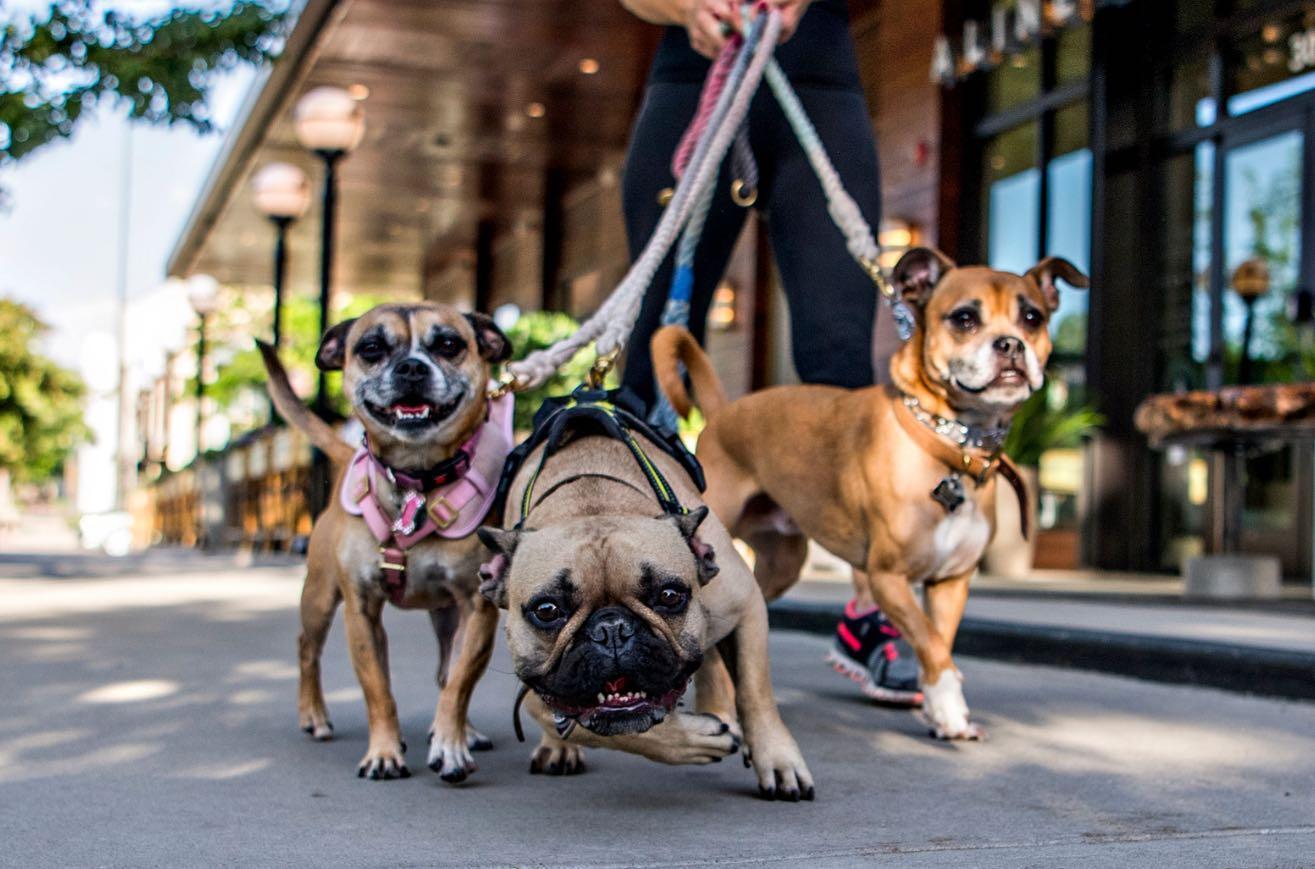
<point x="695" y="738"/>
<point x="554" y="757"/>
<point x="316" y="724"/>
<point x="450" y="757"/>
<point x="384" y="762"/>
<point x="780" y="768"/>
<point x="944" y="710"/>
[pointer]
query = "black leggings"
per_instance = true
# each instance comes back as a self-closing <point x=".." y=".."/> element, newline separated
<point x="832" y="301"/>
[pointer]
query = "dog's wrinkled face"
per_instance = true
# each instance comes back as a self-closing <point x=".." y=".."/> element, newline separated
<point x="983" y="334"/>
<point x="603" y="614"/>
<point x="415" y="373"/>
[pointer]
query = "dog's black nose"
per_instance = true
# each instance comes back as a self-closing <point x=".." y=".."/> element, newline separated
<point x="411" y="371"/>
<point x="1007" y="345"/>
<point x="611" y="627"/>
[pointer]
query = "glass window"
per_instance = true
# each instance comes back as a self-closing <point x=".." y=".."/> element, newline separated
<point x="1068" y="222"/>
<point x="1203" y="207"/>
<point x="1015" y="81"/>
<point x="1262" y="222"/>
<point x="1073" y="62"/>
<point x="1272" y="64"/>
<point x="1013" y="200"/>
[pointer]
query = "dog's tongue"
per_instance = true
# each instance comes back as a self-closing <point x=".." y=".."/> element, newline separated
<point x="410" y="408"/>
<point x="616" y="686"/>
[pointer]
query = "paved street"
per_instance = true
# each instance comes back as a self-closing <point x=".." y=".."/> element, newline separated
<point x="149" y="720"/>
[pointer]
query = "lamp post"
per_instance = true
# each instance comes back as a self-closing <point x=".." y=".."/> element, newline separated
<point x="282" y="193"/>
<point x="203" y="294"/>
<point x="1250" y="282"/>
<point x="328" y="122"/>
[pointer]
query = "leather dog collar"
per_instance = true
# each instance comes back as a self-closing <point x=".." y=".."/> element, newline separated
<point x="975" y="463"/>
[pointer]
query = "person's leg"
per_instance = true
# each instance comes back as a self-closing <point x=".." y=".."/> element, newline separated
<point x="666" y="112"/>
<point x="833" y="306"/>
<point x="832" y="301"/>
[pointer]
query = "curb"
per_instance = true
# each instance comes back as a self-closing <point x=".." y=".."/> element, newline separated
<point x="1242" y="669"/>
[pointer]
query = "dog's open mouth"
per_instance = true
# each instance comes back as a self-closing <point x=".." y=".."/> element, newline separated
<point x="1005" y="379"/>
<point x="617" y="707"/>
<point x="413" y="413"/>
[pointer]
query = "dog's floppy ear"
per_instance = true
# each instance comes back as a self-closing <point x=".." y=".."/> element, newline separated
<point x="704" y="557"/>
<point x="332" y="354"/>
<point x="1050" y="268"/>
<point x="493" y="344"/>
<point x="917" y="272"/>
<point x="493" y="573"/>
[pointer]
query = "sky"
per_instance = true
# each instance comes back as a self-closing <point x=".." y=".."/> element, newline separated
<point x="59" y="243"/>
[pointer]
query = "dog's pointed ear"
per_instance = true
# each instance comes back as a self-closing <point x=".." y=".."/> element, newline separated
<point x="493" y="573"/>
<point x="332" y="354"/>
<point x="1050" y="268"/>
<point x="493" y="344"/>
<point x="704" y="556"/>
<point x="917" y="272"/>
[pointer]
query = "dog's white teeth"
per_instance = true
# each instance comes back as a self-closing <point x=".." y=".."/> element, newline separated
<point x="602" y="698"/>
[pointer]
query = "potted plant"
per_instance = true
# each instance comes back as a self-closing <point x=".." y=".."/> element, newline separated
<point x="1044" y="422"/>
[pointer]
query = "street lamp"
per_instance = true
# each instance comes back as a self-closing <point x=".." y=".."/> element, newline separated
<point x="282" y="193"/>
<point x="1250" y="282"/>
<point x="329" y="122"/>
<point x="203" y="294"/>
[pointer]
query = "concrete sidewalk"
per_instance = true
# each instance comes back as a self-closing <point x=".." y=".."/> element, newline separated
<point x="149" y="720"/>
<point x="1253" y="649"/>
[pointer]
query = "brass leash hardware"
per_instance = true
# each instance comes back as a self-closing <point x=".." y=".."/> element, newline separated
<point x="664" y="196"/>
<point x="506" y="383"/>
<point x="601" y="367"/>
<point x="878" y="277"/>
<point x="740" y="197"/>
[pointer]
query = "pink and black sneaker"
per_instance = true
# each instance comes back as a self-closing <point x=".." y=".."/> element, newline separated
<point x="870" y="651"/>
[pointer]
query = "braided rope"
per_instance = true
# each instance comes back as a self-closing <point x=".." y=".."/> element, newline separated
<point x="613" y="321"/>
<point x="709" y="98"/>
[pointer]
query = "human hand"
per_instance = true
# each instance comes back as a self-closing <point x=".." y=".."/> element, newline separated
<point x="791" y="11"/>
<point x="706" y="21"/>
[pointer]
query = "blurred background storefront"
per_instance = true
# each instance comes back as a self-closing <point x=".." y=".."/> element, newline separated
<point x="1157" y="144"/>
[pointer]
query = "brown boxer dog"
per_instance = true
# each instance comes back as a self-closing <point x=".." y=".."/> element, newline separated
<point x="416" y="376"/>
<point x="898" y="480"/>
<point x="612" y="604"/>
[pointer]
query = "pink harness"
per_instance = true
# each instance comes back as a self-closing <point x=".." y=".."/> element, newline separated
<point x="452" y="509"/>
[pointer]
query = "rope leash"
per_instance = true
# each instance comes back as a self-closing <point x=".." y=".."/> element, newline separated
<point x="718" y="127"/>
<point x="612" y="322"/>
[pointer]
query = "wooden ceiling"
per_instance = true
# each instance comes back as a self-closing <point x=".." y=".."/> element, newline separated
<point x="449" y="142"/>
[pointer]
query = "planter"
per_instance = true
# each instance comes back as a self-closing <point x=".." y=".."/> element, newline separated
<point x="1009" y="554"/>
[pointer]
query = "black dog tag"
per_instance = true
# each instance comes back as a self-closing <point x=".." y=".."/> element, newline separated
<point x="949" y="493"/>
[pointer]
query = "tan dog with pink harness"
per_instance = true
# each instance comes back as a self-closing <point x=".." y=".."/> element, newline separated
<point x="402" y="526"/>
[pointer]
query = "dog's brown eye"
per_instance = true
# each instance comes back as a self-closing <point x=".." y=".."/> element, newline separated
<point x="371" y="351"/>
<point x="964" y="319"/>
<point x="545" y="613"/>
<point x="672" y="599"/>
<point x="1032" y="318"/>
<point x="448" y="346"/>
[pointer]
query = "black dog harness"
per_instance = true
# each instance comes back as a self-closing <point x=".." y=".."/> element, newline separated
<point x="614" y="413"/>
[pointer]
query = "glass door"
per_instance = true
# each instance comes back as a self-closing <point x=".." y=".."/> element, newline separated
<point x="1261" y="208"/>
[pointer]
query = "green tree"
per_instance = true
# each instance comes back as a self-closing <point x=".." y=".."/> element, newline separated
<point x="40" y="402"/>
<point x="55" y="67"/>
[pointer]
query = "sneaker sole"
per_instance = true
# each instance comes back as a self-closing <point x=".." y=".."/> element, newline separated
<point x="859" y="675"/>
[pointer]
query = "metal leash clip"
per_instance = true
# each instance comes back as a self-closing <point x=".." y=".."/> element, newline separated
<point x="601" y="368"/>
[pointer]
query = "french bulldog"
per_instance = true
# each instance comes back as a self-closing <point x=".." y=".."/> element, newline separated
<point x="416" y="376"/>
<point x="612" y="605"/>
<point x="874" y="475"/>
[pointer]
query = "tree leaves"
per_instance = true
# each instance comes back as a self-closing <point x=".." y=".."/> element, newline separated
<point x="40" y="402"/>
<point x="53" y="70"/>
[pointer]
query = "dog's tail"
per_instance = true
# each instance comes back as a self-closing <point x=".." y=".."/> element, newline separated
<point x="673" y="345"/>
<point x="297" y="414"/>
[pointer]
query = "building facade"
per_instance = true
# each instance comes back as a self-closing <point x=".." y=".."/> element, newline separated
<point x="1157" y="144"/>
